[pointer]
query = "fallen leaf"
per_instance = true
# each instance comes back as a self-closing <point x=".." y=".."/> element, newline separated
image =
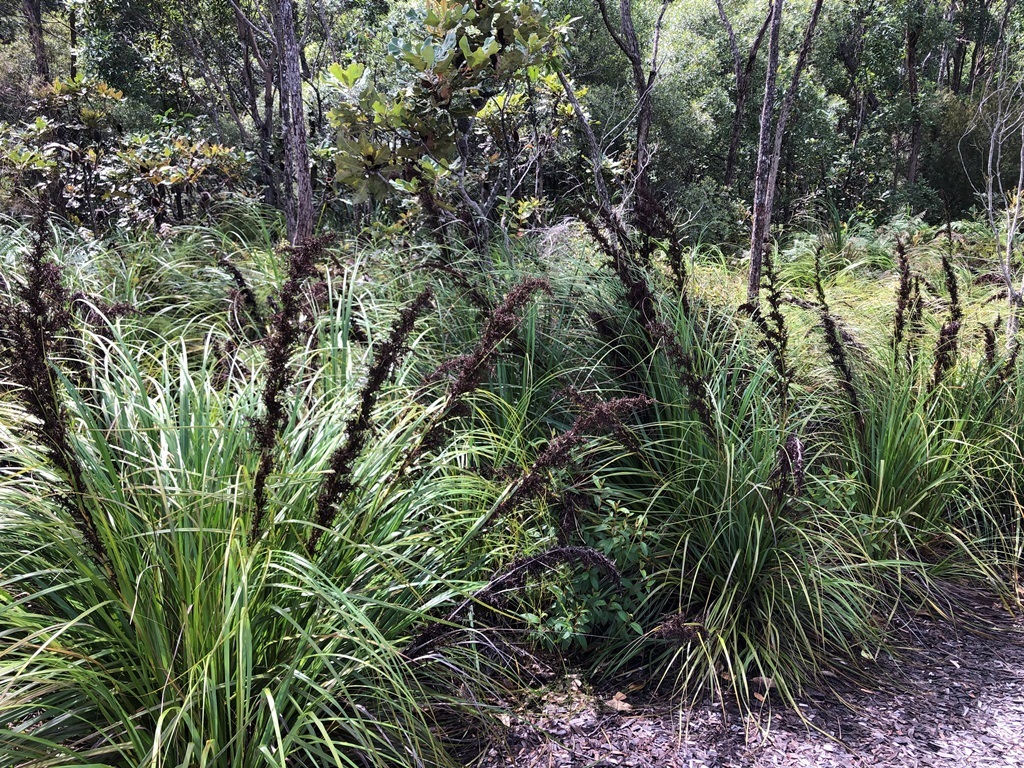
<point x="764" y="683"/>
<point x="618" y="703"/>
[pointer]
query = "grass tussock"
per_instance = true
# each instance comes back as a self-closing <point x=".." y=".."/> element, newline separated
<point x="314" y="507"/>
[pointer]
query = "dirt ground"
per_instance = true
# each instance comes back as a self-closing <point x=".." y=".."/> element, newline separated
<point x="951" y="699"/>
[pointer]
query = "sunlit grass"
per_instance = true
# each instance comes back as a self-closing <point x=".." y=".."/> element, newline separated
<point x="194" y="640"/>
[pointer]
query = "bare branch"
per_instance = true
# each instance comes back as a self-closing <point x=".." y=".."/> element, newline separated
<point x="596" y="155"/>
<point x="731" y="34"/>
<point x="603" y="7"/>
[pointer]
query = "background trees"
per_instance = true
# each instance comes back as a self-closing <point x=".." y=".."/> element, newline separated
<point x="241" y="521"/>
<point x="872" y="109"/>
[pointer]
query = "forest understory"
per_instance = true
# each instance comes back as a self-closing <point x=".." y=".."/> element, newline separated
<point x="511" y="383"/>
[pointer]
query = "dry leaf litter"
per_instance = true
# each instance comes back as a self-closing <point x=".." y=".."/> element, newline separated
<point x="955" y="700"/>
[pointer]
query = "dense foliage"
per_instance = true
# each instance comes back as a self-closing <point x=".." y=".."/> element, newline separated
<point x="365" y="365"/>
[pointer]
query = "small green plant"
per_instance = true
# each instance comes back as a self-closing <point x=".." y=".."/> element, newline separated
<point x="75" y="155"/>
<point x="476" y="108"/>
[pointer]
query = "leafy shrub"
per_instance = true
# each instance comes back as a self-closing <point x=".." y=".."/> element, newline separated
<point x="474" y="110"/>
<point x="174" y="590"/>
<point x="77" y="157"/>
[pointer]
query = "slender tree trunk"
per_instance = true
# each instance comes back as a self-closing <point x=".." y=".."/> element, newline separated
<point x="34" y="21"/>
<point x="978" y="54"/>
<point x="956" y="77"/>
<point x="604" y="200"/>
<point x="1003" y="96"/>
<point x="914" y="91"/>
<point x="1014" y="214"/>
<point x="270" y="167"/>
<point x="735" y="135"/>
<point x="742" y="94"/>
<point x="742" y="73"/>
<point x="851" y="52"/>
<point x="789" y="101"/>
<point x="73" y="40"/>
<point x="643" y="86"/>
<point x="645" y="119"/>
<point x="773" y="133"/>
<point x="625" y="37"/>
<point x="298" y="201"/>
<point x="761" y="209"/>
<point x="944" y="69"/>
<point x="255" y="86"/>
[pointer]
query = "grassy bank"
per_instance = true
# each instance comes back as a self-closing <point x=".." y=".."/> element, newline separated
<point x="324" y="506"/>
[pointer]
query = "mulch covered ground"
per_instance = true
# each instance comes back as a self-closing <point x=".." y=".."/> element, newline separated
<point x="952" y="699"/>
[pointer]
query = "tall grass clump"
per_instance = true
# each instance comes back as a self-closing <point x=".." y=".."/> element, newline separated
<point x="141" y="624"/>
<point x="914" y="429"/>
<point x="785" y="525"/>
<point x="739" y="574"/>
<point x="217" y="551"/>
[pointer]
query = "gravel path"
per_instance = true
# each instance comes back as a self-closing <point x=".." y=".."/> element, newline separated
<point x="958" y="702"/>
